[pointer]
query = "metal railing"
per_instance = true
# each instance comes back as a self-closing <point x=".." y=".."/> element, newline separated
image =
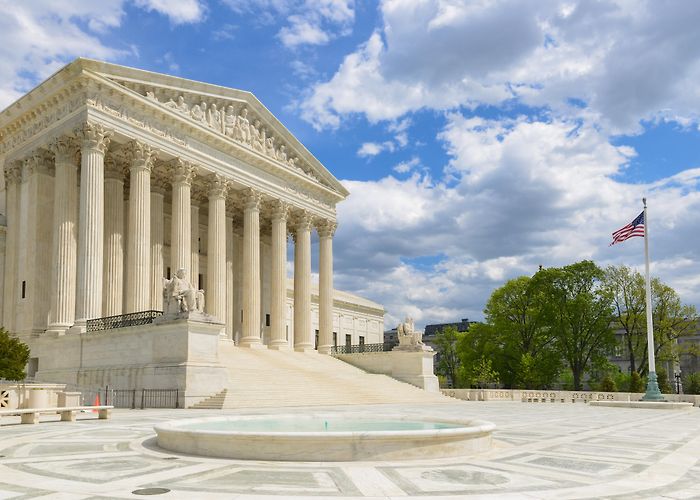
<point x="359" y="348"/>
<point x="131" y="398"/>
<point x="122" y="320"/>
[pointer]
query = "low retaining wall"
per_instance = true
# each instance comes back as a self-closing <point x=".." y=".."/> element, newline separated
<point x="413" y="367"/>
<point x="35" y="395"/>
<point x="547" y="396"/>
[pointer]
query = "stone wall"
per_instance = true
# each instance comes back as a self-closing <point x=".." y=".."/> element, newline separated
<point x="415" y="368"/>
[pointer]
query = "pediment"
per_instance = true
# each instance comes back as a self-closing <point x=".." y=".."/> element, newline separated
<point x="234" y="114"/>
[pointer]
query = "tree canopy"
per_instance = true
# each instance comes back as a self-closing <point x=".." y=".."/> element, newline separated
<point x="14" y="355"/>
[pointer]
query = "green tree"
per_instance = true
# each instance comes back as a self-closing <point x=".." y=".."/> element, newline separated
<point x="626" y="287"/>
<point x="14" y="355"/>
<point x="607" y="384"/>
<point x="581" y="312"/>
<point x="516" y="336"/>
<point x="446" y="343"/>
<point x="691" y="384"/>
<point x="672" y="319"/>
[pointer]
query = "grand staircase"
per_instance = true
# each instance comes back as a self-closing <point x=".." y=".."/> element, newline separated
<point x="266" y="378"/>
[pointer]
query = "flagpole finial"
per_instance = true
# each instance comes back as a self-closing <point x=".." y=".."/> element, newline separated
<point x="644" y="200"/>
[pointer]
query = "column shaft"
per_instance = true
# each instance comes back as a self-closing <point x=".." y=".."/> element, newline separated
<point x="157" y="265"/>
<point x="278" y="319"/>
<point x="325" y="287"/>
<point x="13" y="175"/>
<point x="216" y="253"/>
<point x="138" y="274"/>
<point x="229" y="278"/>
<point x="194" y="245"/>
<point x="251" y="271"/>
<point x="95" y="140"/>
<point x="303" y="336"/>
<point x="181" y="224"/>
<point x="113" y="293"/>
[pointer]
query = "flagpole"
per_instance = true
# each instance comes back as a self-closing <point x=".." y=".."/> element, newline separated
<point x="653" y="393"/>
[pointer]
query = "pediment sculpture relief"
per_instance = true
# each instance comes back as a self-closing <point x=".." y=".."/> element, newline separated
<point x="239" y="126"/>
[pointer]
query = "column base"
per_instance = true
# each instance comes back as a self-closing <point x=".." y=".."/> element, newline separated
<point x="304" y="348"/>
<point x="280" y="347"/>
<point x="324" y="349"/>
<point x="56" y="330"/>
<point x="252" y="344"/>
<point x="78" y="327"/>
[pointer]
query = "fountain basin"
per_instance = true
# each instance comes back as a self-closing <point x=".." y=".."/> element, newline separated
<point x="325" y="437"/>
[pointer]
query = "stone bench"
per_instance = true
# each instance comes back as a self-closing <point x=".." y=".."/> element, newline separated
<point x="31" y="415"/>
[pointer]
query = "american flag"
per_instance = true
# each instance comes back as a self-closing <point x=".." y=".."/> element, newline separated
<point x="634" y="228"/>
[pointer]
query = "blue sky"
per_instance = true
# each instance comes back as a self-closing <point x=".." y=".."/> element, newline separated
<point x="478" y="139"/>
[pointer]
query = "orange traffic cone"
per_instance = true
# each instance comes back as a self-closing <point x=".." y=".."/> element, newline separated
<point x="96" y="403"/>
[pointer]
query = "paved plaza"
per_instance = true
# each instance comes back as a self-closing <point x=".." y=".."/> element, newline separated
<point x="540" y="451"/>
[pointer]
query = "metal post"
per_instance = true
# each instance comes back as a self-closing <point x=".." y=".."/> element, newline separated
<point x="653" y="393"/>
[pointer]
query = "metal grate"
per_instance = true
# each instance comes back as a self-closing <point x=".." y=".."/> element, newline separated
<point x="122" y="320"/>
<point x="354" y="349"/>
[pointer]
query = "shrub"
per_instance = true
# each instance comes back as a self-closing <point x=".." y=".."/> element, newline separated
<point x="691" y="384"/>
<point x="662" y="379"/>
<point x="607" y="384"/>
<point x="636" y="383"/>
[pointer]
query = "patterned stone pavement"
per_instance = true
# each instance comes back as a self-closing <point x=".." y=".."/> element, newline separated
<point x="541" y="450"/>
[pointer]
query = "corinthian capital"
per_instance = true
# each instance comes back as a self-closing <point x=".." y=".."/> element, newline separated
<point x="326" y="228"/>
<point x="182" y="172"/>
<point x="302" y="221"/>
<point x="252" y="199"/>
<point x="13" y="172"/>
<point x="142" y="155"/>
<point x="218" y="186"/>
<point x="65" y="150"/>
<point x="279" y="210"/>
<point x="94" y="136"/>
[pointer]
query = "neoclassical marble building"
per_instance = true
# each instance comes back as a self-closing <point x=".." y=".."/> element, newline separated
<point x="115" y="178"/>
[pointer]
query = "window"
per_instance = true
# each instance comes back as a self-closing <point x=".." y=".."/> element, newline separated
<point x="267" y="320"/>
<point x="316" y="341"/>
<point x="167" y="273"/>
<point x="201" y="282"/>
<point x="286" y="332"/>
<point x="362" y="343"/>
<point x="335" y="339"/>
<point x="348" y="341"/>
<point x="24" y="289"/>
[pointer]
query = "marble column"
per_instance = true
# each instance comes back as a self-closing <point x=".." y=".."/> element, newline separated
<point x="216" y="249"/>
<point x="251" y="270"/>
<point x="194" y="242"/>
<point x="65" y="237"/>
<point x="326" y="230"/>
<point x="303" y="336"/>
<point x="113" y="293"/>
<point x="181" y="224"/>
<point x="229" y="276"/>
<point x="278" y="289"/>
<point x="88" y="304"/>
<point x="13" y="177"/>
<point x="158" y="186"/>
<point x="138" y="254"/>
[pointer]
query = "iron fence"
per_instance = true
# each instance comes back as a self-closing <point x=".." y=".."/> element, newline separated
<point x="122" y="320"/>
<point x="359" y="348"/>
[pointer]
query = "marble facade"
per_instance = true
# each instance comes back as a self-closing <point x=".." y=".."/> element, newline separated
<point x="115" y="178"/>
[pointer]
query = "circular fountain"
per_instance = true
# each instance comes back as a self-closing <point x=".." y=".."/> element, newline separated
<point x="325" y="437"/>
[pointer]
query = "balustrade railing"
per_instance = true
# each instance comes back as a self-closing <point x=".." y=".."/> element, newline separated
<point x="360" y="348"/>
<point x="122" y="320"/>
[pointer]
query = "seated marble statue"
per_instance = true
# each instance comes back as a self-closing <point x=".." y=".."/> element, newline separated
<point x="408" y="337"/>
<point x="180" y="296"/>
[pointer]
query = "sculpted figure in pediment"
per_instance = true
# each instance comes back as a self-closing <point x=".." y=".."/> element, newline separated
<point x="270" y="146"/>
<point x="257" y="137"/>
<point x="182" y="106"/>
<point x="204" y="117"/>
<point x="215" y="118"/>
<point x="151" y="95"/>
<point x="196" y="113"/>
<point x="281" y="154"/>
<point x="229" y="121"/>
<point x="242" y="133"/>
<point x="171" y="104"/>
